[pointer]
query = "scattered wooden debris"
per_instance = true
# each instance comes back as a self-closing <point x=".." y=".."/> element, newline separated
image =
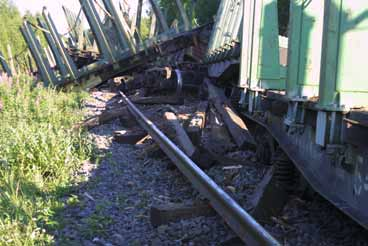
<point x="129" y="136"/>
<point x="197" y="123"/>
<point x="106" y="117"/>
<point x="185" y="143"/>
<point x="164" y="214"/>
<point x="143" y="140"/>
<point x="181" y="137"/>
<point x="219" y="140"/>
<point x="232" y="167"/>
<point x="234" y="123"/>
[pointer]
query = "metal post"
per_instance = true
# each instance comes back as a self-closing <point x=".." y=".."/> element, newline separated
<point x="139" y="15"/>
<point x="97" y="29"/>
<point x="68" y="61"/>
<point x="245" y="47"/>
<point x="121" y="26"/>
<point x="59" y="62"/>
<point x="160" y="16"/>
<point x="5" y="65"/>
<point x="183" y="14"/>
<point x="44" y="68"/>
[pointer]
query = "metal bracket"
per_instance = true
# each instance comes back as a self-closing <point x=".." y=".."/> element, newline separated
<point x="294" y="120"/>
<point x="329" y="128"/>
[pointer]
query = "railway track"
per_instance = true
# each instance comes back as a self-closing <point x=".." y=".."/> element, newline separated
<point x="228" y="187"/>
<point x="302" y="121"/>
<point x="246" y="227"/>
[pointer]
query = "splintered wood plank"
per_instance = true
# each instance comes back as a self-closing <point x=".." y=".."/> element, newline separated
<point x="197" y="123"/>
<point x="236" y="126"/>
<point x="164" y="214"/>
<point x="181" y="136"/>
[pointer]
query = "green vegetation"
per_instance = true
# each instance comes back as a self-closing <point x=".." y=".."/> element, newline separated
<point x="39" y="152"/>
<point x="10" y="22"/>
<point x="202" y="12"/>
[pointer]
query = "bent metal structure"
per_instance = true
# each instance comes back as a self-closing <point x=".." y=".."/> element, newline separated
<point x="120" y="46"/>
<point x="307" y="92"/>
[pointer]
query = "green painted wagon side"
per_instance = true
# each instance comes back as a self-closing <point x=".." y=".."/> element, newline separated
<point x="260" y="68"/>
<point x="344" y="83"/>
<point x="305" y="47"/>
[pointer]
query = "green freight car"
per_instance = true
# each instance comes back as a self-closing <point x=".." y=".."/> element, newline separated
<point x="307" y="91"/>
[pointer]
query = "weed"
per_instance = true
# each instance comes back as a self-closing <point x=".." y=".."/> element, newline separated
<point x="39" y="152"/>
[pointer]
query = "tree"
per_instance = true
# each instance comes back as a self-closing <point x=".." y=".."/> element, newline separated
<point x="200" y="11"/>
<point x="10" y="22"/>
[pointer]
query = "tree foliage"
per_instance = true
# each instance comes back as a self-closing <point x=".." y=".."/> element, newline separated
<point x="10" y="22"/>
<point x="200" y="11"/>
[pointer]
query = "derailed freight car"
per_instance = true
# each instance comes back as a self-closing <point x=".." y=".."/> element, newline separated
<point x="308" y="91"/>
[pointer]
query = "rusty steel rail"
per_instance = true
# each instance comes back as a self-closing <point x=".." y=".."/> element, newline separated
<point x="236" y="217"/>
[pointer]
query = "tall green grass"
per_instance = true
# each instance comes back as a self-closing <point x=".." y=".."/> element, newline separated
<point x="39" y="152"/>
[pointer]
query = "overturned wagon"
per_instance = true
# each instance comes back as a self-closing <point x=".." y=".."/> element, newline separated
<point x="305" y="92"/>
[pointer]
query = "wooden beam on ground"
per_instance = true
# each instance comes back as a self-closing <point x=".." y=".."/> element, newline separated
<point x="164" y="214"/>
<point x="234" y="123"/>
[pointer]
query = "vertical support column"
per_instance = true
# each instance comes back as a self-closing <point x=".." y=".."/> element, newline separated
<point x="44" y="68"/>
<point x="69" y="63"/>
<point x="160" y="16"/>
<point x="295" y="25"/>
<point x="121" y="26"/>
<point x="96" y="27"/>
<point x="139" y="15"/>
<point x="29" y="61"/>
<point x="5" y="65"/>
<point x="183" y="14"/>
<point x="246" y="46"/>
<point x="59" y="62"/>
<point x="331" y="38"/>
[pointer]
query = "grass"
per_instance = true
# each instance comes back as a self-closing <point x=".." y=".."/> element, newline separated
<point x="39" y="152"/>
